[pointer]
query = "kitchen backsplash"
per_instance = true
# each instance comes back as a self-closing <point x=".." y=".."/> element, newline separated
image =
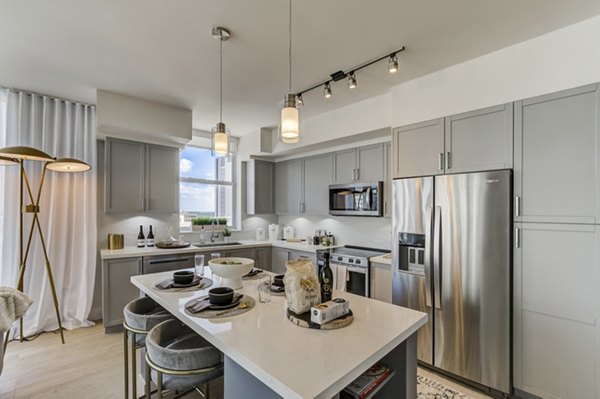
<point x="363" y="231"/>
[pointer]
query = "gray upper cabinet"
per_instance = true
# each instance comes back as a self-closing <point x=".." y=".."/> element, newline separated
<point x="345" y="165"/>
<point x="140" y="177"/>
<point x="370" y="163"/>
<point x="260" y="187"/>
<point x="317" y="178"/>
<point x="124" y="177"/>
<point x="418" y="150"/>
<point x="479" y="140"/>
<point x="162" y="179"/>
<point x="288" y="180"/>
<point x="556" y="157"/>
<point x="359" y="164"/>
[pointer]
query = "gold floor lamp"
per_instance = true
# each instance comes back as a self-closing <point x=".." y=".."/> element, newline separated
<point x="17" y="156"/>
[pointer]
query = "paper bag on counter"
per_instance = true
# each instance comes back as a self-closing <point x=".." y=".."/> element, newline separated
<point x="302" y="289"/>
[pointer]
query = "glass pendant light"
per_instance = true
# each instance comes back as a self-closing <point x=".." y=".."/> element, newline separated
<point x="220" y="133"/>
<point x="289" y="126"/>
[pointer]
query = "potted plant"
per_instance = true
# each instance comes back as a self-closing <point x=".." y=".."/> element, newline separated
<point x="199" y="223"/>
<point x="226" y="234"/>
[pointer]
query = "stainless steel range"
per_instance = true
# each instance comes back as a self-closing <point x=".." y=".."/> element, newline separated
<point x="356" y="260"/>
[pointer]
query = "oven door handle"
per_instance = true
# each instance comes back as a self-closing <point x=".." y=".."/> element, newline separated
<point x="361" y="270"/>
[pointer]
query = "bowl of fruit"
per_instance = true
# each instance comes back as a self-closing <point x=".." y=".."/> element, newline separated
<point x="231" y="270"/>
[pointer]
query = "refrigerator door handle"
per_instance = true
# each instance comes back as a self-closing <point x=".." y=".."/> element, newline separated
<point x="428" y="249"/>
<point x="437" y="260"/>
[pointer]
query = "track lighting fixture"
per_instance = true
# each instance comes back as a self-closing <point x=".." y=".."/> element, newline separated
<point x="340" y="75"/>
<point x="393" y="64"/>
<point x="327" y="90"/>
<point x="351" y="80"/>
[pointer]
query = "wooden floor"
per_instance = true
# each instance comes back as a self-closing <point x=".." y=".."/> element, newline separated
<point x="89" y="365"/>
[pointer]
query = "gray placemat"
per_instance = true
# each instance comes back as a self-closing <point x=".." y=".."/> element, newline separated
<point x="218" y="314"/>
<point x="204" y="283"/>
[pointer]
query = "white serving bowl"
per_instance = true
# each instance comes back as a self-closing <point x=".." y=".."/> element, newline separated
<point x="231" y="275"/>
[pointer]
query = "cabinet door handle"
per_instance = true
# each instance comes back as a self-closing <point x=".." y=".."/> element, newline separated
<point x="143" y="203"/>
<point x="517" y="237"/>
<point x="441" y="161"/>
<point x="299" y="207"/>
<point x="448" y="162"/>
<point x="517" y="205"/>
<point x="357" y="175"/>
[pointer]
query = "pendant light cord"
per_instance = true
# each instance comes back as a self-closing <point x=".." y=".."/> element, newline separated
<point x="290" y="49"/>
<point x="221" y="77"/>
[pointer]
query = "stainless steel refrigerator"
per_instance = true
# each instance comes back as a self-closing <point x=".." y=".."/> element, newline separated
<point x="452" y="260"/>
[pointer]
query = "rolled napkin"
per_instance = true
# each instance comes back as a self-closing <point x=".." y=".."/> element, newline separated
<point x="169" y="283"/>
<point x="203" y="303"/>
<point x="276" y="288"/>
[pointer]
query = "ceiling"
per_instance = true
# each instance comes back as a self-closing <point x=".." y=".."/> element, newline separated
<point x="163" y="50"/>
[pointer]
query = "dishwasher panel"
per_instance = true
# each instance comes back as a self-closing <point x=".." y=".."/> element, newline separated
<point x="166" y="263"/>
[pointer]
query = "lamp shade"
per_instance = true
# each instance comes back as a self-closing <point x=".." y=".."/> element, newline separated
<point x="69" y="165"/>
<point x="290" y="121"/>
<point x="7" y="161"/>
<point x="28" y="153"/>
<point x="220" y="140"/>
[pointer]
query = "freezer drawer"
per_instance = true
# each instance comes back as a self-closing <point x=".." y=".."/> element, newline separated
<point x="411" y="293"/>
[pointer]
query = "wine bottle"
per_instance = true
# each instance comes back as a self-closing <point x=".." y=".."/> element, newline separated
<point x="150" y="240"/>
<point x="326" y="279"/>
<point x="141" y="238"/>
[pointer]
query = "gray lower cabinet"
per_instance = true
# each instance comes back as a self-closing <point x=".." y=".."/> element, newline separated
<point x="556" y="157"/>
<point x="317" y="178"/>
<point x="260" y="187"/>
<point x="288" y="180"/>
<point x="556" y="310"/>
<point x="381" y="282"/>
<point x="280" y="257"/>
<point x="264" y="258"/>
<point x="140" y="177"/>
<point x="480" y="140"/>
<point x="249" y="253"/>
<point x="117" y="290"/>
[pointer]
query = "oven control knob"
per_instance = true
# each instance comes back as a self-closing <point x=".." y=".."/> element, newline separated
<point x="340" y="258"/>
<point x="358" y="261"/>
<point x="350" y="260"/>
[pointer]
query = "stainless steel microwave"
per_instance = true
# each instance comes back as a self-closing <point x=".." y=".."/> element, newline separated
<point x="356" y="199"/>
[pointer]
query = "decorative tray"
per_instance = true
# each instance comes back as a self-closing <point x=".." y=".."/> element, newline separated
<point x="172" y="244"/>
<point x="303" y="320"/>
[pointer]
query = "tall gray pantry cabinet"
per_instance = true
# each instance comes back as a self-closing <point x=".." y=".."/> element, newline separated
<point x="557" y="244"/>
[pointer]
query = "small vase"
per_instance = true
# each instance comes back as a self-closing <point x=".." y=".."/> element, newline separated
<point x="226" y="238"/>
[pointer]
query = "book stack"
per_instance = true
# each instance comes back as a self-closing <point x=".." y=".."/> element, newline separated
<point x="368" y="383"/>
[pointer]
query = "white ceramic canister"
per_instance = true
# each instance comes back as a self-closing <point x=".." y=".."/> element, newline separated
<point x="260" y="234"/>
<point x="288" y="232"/>
<point x="273" y="232"/>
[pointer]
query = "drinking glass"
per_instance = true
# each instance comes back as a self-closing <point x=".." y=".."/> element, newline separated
<point x="264" y="289"/>
<point x="199" y="265"/>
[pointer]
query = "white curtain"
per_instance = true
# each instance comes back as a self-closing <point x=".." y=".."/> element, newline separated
<point x="67" y="208"/>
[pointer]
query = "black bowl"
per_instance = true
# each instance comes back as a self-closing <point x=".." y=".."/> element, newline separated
<point x="183" y="277"/>
<point x="278" y="280"/>
<point x="220" y="296"/>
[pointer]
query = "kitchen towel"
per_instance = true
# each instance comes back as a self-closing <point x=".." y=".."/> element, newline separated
<point x="340" y="277"/>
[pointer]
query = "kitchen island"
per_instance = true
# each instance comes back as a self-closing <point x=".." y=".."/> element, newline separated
<point x="266" y="356"/>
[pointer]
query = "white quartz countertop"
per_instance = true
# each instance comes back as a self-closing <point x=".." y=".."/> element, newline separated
<point x="295" y="362"/>
<point x="385" y="259"/>
<point x="131" y="252"/>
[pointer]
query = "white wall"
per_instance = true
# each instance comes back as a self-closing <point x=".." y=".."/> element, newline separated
<point x="566" y="58"/>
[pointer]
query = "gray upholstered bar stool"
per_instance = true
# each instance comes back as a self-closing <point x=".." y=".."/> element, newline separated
<point x="140" y="316"/>
<point x="179" y="360"/>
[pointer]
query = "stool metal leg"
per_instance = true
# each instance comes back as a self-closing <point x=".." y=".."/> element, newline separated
<point x="133" y="366"/>
<point x="126" y="370"/>
<point x="148" y="381"/>
<point x="159" y="383"/>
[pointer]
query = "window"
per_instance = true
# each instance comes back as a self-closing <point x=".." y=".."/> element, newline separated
<point x="206" y="186"/>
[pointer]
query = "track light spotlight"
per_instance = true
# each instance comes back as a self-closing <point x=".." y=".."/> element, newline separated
<point x="299" y="100"/>
<point x="351" y="80"/>
<point x="393" y="64"/>
<point x="327" y="90"/>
